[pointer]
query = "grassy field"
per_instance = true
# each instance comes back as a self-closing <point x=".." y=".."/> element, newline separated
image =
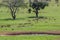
<point x="50" y="20"/>
<point x="23" y="22"/>
<point x="30" y="37"/>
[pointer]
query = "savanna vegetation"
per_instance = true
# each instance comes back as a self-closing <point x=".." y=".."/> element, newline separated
<point x="48" y="19"/>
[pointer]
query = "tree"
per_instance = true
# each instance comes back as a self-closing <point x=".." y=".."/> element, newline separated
<point x="13" y="5"/>
<point x="37" y="6"/>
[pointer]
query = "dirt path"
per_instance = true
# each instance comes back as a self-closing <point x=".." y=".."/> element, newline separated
<point x="30" y="33"/>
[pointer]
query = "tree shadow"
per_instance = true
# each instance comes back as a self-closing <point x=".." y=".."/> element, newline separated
<point x="37" y="19"/>
<point x="40" y="17"/>
<point x="7" y="19"/>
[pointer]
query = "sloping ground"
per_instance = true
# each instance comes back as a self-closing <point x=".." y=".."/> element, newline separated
<point x="30" y="33"/>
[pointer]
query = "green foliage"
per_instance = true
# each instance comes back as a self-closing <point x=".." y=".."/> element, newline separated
<point x="39" y="5"/>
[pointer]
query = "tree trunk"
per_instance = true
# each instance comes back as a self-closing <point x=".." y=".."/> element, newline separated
<point x="36" y="13"/>
<point x="13" y="15"/>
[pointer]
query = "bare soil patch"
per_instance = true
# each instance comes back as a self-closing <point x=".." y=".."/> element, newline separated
<point x="30" y="33"/>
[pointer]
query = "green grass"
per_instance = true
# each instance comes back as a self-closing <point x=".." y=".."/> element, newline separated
<point x="23" y="23"/>
<point x="51" y="23"/>
<point x="30" y="37"/>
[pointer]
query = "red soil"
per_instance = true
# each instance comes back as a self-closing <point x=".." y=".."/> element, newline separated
<point x="30" y="33"/>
